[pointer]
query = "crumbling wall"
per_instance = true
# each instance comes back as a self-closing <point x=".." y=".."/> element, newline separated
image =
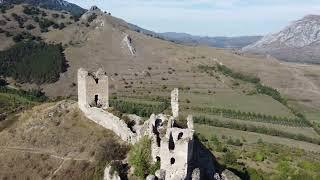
<point x="93" y="98"/>
<point x="171" y="145"/>
<point x="175" y="102"/>
<point x="93" y="89"/>
<point x="108" y="174"/>
<point x="109" y="121"/>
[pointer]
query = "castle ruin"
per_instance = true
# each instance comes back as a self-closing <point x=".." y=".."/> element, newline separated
<point x="172" y="145"/>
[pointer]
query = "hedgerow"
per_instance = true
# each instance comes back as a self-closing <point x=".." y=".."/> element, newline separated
<point x="251" y="128"/>
<point x="252" y="116"/>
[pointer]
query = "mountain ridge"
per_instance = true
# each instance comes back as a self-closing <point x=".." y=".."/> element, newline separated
<point x="297" y="42"/>
<point x="50" y="4"/>
<point x="188" y="39"/>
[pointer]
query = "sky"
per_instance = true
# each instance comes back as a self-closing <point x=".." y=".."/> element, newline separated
<point x="208" y="17"/>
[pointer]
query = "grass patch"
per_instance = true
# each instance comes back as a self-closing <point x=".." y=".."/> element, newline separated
<point x="142" y="108"/>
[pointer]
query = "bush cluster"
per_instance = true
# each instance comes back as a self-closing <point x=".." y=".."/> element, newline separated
<point x="30" y="10"/>
<point x="25" y="36"/>
<point x="20" y="20"/>
<point x="252" y="128"/>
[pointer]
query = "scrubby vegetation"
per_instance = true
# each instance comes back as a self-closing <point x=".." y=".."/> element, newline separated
<point x="140" y="108"/>
<point x="92" y="17"/>
<point x="5" y="7"/>
<point x="25" y="36"/>
<point x="289" y="163"/>
<point x="31" y="95"/>
<point x="12" y="100"/>
<point x="251" y="116"/>
<point x="251" y="128"/>
<point x="140" y="159"/>
<point x="35" y="62"/>
<point x="108" y="151"/>
<point x="30" y="10"/>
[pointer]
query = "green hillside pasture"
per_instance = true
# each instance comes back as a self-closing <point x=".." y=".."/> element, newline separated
<point x="251" y="137"/>
<point x="306" y="131"/>
<point x="257" y="129"/>
<point x="246" y="103"/>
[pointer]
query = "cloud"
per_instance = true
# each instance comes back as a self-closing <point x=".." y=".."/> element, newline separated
<point x="209" y="17"/>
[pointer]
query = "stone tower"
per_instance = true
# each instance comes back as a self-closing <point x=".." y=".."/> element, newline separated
<point x="93" y="89"/>
<point x="175" y="102"/>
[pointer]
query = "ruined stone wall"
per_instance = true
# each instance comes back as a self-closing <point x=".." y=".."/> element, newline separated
<point x="171" y="145"/>
<point x="90" y="86"/>
<point x="175" y="102"/>
<point x="175" y="160"/>
<point x="93" y="89"/>
<point x="109" y="121"/>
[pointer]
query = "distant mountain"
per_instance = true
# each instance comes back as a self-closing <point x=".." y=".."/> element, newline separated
<point x="221" y="42"/>
<point x="183" y="38"/>
<point x="51" y="4"/>
<point x="298" y="42"/>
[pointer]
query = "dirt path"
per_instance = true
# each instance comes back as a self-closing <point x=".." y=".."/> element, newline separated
<point x="43" y="151"/>
<point x="51" y="153"/>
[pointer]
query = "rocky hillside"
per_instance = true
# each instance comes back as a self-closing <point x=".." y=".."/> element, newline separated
<point x="51" y="4"/>
<point x="298" y="42"/>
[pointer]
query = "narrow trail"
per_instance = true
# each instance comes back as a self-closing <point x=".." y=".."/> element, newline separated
<point x="57" y="170"/>
<point x="43" y="151"/>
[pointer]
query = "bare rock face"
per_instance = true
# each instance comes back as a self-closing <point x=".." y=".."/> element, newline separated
<point x="196" y="174"/>
<point x="298" y="42"/>
<point x="161" y="174"/>
<point x="94" y="8"/>
<point x="151" y="177"/>
<point x="228" y="175"/>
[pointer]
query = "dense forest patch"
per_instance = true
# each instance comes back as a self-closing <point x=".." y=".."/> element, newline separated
<point x="33" y="62"/>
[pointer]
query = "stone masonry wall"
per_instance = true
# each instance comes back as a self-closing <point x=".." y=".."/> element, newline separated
<point x="175" y="102"/>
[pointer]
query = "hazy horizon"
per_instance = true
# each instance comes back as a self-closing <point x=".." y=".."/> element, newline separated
<point x="208" y="17"/>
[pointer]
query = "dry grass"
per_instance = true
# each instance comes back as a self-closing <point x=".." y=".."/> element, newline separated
<point x="52" y="140"/>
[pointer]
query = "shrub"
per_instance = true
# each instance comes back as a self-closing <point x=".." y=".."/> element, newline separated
<point x="30" y="27"/>
<point x="140" y="158"/>
<point x="45" y="23"/>
<point x="229" y="158"/>
<point x="92" y="17"/>
<point x="259" y="156"/>
<point x="55" y="15"/>
<point x="62" y="26"/>
<point x="29" y="10"/>
<point x="3" y="82"/>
